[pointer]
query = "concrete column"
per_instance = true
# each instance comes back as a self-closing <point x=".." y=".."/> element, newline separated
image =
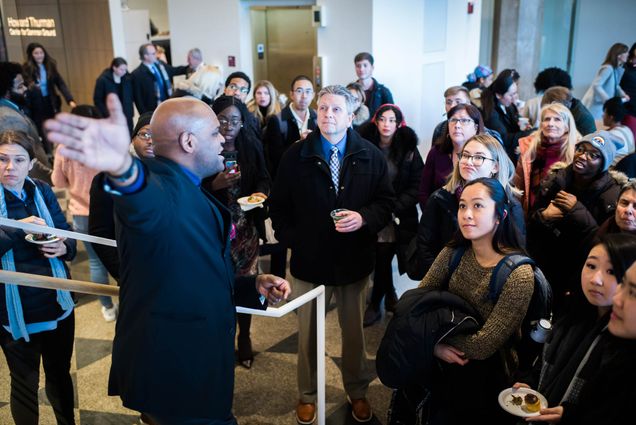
<point x="517" y="40"/>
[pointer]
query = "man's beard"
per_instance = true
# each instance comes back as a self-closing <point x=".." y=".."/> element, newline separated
<point x="17" y="98"/>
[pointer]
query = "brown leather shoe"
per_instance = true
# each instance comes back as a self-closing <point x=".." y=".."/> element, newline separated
<point x="305" y="413"/>
<point x="361" y="409"/>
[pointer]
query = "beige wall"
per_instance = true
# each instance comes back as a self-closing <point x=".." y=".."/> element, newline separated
<point x="83" y="43"/>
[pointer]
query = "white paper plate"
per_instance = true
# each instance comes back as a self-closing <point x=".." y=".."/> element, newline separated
<point x="505" y="401"/>
<point x="246" y="206"/>
<point x="29" y="238"/>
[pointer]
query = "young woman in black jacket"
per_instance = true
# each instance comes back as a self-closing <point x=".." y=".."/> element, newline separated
<point x="388" y="131"/>
<point x="43" y="80"/>
<point x="501" y="114"/>
<point x="115" y="79"/>
<point x="245" y="174"/>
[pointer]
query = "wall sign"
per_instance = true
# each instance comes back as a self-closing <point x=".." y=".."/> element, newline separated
<point x="32" y="27"/>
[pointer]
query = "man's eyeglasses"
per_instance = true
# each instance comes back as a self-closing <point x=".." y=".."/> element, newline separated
<point x="226" y="123"/>
<point x="477" y="160"/>
<point x="591" y="154"/>
<point x="234" y="87"/>
<point x="462" y="121"/>
<point x="300" y="92"/>
<point x="144" y="135"/>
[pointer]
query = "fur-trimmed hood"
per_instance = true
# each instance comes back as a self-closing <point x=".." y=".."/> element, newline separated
<point x="405" y="139"/>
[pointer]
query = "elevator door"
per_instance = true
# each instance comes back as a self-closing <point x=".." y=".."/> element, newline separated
<point x="287" y="42"/>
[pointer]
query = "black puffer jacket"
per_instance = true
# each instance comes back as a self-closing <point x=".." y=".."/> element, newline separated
<point x="422" y="319"/>
<point x="557" y="246"/>
<point x="405" y="184"/>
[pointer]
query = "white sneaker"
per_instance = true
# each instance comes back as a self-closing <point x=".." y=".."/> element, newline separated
<point x="110" y="314"/>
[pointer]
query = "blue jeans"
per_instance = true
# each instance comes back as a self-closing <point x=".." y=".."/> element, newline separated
<point x="97" y="270"/>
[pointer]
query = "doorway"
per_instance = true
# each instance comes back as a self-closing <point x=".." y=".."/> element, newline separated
<point x="284" y="44"/>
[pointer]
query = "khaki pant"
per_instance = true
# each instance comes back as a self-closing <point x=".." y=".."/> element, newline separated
<point x="356" y="371"/>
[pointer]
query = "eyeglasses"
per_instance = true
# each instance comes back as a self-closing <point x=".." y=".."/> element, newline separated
<point x="591" y="154"/>
<point x="235" y="122"/>
<point x="477" y="160"/>
<point x="144" y="135"/>
<point x="244" y="90"/>
<point x="300" y="92"/>
<point x="462" y="121"/>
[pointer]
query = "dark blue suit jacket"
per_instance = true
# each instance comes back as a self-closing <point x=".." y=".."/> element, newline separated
<point x="173" y="352"/>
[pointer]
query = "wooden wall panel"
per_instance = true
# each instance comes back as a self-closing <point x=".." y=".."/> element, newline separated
<point x="82" y="47"/>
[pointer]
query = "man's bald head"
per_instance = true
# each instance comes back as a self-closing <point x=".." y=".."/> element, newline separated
<point x="175" y="116"/>
<point x="185" y="129"/>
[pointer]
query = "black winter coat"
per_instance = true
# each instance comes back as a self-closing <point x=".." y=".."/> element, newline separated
<point x="105" y="84"/>
<point x="303" y="197"/>
<point x="422" y="319"/>
<point x="39" y="305"/>
<point x="557" y="246"/>
<point x="378" y="97"/>
<point x="101" y="222"/>
<point x="406" y="183"/>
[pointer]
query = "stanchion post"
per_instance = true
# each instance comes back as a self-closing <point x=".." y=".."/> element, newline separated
<point x="320" y="352"/>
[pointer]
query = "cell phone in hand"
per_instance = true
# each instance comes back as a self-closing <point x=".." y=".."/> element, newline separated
<point x="231" y="166"/>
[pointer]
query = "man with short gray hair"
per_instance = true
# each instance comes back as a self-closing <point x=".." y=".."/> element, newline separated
<point x="330" y="198"/>
<point x="195" y="61"/>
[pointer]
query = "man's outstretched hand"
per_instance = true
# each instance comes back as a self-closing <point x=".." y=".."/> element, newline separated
<point x="101" y="144"/>
<point x="274" y="288"/>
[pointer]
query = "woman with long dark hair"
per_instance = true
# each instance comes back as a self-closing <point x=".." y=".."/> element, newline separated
<point x="43" y="80"/>
<point x="115" y="79"/>
<point x="501" y="114"/>
<point x="481" y="156"/>
<point x="245" y="174"/>
<point x="398" y="142"/>
<point x="486" y="235"/>
<point x="568" y="355"/>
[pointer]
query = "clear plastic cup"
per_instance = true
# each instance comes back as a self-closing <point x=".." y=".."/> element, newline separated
<point x="337" y="218"/>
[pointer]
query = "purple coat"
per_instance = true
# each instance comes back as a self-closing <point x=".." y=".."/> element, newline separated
<point x="437" y="168"/>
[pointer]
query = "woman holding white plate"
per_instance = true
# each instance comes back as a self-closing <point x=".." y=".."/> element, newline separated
<point x="245" y="175"/>
<point x="36" y="324"/>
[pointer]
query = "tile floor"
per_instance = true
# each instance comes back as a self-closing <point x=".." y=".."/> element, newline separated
<point x="264" y="395"/>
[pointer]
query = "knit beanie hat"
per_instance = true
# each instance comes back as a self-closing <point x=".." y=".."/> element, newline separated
<point x="482" y="71"/>
<point x="144" y="120"/>
<point x="606" y="143"/>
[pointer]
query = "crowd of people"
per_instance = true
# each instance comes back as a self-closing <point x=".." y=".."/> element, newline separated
<point x="548" y="179"/>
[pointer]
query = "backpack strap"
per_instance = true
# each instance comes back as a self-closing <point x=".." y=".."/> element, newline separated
<point x="453" y="262"/>
<point x="502" y="271"/>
